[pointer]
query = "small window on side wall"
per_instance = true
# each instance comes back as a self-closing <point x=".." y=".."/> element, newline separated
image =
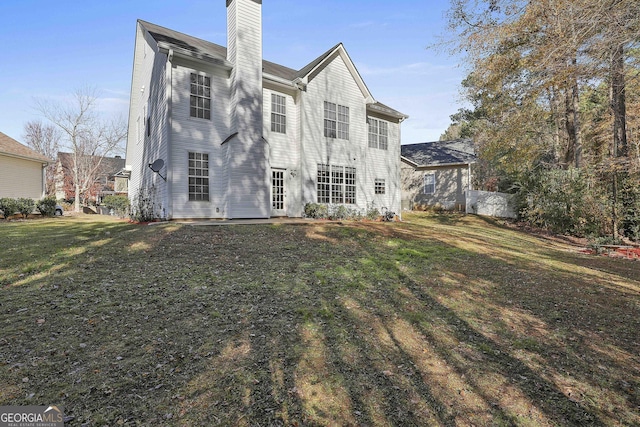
<point x="379" y="186"/>
<point x="429" y="183"/>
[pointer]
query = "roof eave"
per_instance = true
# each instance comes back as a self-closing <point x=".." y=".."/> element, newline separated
<point x="275" y="79"/>
<point x="442" y="165"/>
<point x="32" y="159"/>
<point x="387" y="112"/>
<point x="166" y="48"/>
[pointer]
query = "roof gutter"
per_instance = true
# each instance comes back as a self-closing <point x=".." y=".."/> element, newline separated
<point x="440" y="165"/>
<point x="180" y="52"/>
<point x="32" y="159"/>
<point x="279" y="80"/>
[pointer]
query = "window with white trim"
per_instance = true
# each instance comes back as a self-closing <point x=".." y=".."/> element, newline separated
<point x="336" y="184"/>
<point x="350" y="185"/>
<point x="429" y="183"/>
<point x="278" y="113"/>
<point x="336" y="121"/>
<point x="378" y="134"/>
<point x="198" y="177"/>
<point x="200" y="101"/>
<point x="379" y="186"/>
<point x="324" y="183"/>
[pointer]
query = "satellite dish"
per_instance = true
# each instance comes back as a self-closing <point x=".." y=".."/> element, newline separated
<point x="157" y="165"/>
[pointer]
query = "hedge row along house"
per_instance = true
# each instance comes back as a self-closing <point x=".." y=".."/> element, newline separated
<point x="219" y="132"/>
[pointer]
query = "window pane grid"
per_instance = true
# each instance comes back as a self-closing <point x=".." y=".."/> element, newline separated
<point x="278" y="113"/>
<point x="200" y="100"/>
<point x="378" y="134"/>
<point x="379" y="186"/>
<point x="429" y="183"/>
<point x="324" y="184"/>
<point x="336" y="184"/>
<point x="373" y="133"/>
<point x="336" y="121"/>
<point x="198" y="177"/>
<point x="350" y="185"/>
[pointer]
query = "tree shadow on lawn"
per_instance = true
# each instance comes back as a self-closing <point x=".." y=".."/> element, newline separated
<point x="584" y="340"/>
<point x="315" y="325"/>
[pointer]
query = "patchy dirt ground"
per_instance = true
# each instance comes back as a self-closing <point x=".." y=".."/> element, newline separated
<point x="439" y="320"/>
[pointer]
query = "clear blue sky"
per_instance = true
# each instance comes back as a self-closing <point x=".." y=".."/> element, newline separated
<point x="50" y="48"/>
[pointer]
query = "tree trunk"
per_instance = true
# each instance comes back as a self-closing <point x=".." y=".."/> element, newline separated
<point x="618" y="103"/>
<point x="569" y="125"/>
<point x="76" y="186"/>
<point x="575" y="99"/>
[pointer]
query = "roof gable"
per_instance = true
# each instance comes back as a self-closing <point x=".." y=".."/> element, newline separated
<point x="439" y="153"/>
<point x="13" y="148"/>
<point x="307" y="73"/>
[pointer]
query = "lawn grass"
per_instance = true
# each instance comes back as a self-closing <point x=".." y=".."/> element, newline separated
<point x="437" y="320"/>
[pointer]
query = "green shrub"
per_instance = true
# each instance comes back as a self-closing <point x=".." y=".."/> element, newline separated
<point x="143" y="208"/>
<point x="120" y="204"/>
<point x="8" y="207"/>
<point x="562" y="201"/>
<point x="339" y="212"/>
<point x="372" y="212"/>
<point x="316" y="211"/>
<point x="25" y="206"/>
<point x="47" y="206"/>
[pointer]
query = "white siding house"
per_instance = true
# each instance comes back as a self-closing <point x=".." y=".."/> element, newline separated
<point x="241" y="137"/>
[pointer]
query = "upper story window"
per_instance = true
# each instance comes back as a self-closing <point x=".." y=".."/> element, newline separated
<point x="278" y="113"/>
<point x="378" y="134"/>
<point x="200" y="96"/>
<point x="336" y="121"/>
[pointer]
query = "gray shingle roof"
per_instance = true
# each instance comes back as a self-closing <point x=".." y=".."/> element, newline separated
<point x="205" y="49"/>
<point x="440" y="153"/>
<point x="109" y="166"/>
<point x="12" y="147"/>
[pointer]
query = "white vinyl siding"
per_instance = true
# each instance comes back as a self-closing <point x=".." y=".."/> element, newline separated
<point x="193" y="135"/>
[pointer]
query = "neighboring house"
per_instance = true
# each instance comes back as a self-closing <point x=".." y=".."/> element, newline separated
<point x="230" y="135"/>
<point x="107" y="177"/>
<point x="437" y="173"/>
<point x="22" y="170"/>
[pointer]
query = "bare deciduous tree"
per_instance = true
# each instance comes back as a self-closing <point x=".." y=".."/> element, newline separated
<point x="86" y="135"/>
<point x="45" y="139"/>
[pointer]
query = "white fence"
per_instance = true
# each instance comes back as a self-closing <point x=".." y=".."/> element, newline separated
<point x="490" y="204"/>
